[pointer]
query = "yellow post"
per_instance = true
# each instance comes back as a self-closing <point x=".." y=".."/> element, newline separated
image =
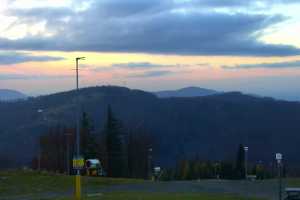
<point x="77" y="187"/>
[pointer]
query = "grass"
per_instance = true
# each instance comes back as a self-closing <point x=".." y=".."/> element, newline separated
<point x="49" y="186"/>
<point x="292" y="182"/>
<point x="14" y="183"/>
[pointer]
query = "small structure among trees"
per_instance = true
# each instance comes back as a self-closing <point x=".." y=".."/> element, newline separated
<point x="123" y="153"/>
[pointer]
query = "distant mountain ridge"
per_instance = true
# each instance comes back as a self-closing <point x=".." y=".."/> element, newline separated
<point x="11" y="95"/>
<point x="186" y="92"/>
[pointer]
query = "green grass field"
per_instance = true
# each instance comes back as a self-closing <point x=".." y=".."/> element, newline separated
<point x="17" y="185"/>
<point x="13" y="183"/>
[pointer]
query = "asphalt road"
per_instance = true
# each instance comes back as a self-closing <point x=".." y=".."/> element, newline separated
<point x="262" y="189"/>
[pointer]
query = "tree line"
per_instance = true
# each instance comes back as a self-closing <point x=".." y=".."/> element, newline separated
<point x="192" y="169"/>
<point x="123" y="151"/>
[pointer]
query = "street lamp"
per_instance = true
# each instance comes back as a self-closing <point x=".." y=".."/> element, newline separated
<point x="78" y="112"/>
<point x="278" y="157"/>
<point x="246" y="161"/>
<point x="78" y="177"/>
<point x="40" y="112"/>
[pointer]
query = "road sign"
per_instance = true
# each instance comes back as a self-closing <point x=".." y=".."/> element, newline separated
<point x="278" y="156"/>
<point x="78" y="163"/>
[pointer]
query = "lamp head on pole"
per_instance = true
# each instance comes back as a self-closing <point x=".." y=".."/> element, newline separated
<point x="246" y="148"/>
<point x="80" y="58"/>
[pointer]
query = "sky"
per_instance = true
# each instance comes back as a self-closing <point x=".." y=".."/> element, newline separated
<point x="228" y="45"/>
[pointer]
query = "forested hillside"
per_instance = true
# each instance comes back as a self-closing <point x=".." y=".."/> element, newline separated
<point x="209" y="127"/>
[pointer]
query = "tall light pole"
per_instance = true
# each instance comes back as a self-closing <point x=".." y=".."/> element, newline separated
<point x="78" y="111"/>
<point x="246" y="161"/>
<point x="41" y="112"/>
<point x="279" y="162"/>
<point x="78" y="177"/>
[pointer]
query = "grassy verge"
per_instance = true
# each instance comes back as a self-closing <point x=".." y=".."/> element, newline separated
<point x="14" y="183"/>
<point x="292" y="182"/>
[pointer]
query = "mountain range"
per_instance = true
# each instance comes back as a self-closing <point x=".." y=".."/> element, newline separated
<point x="186" y="92"/>
<point x="209" y="127"/>
<point x="11" y="95"/>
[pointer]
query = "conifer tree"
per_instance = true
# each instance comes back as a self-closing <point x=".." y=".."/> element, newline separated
<point x="240" y="163"/>
<point x="88" y="140"/>
<point x="115" y="143"/>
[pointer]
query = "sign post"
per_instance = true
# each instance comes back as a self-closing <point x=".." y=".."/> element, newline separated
<point x="78" y="164"/>
<point x="279" y="163"/>
<point x="246" y="162"/>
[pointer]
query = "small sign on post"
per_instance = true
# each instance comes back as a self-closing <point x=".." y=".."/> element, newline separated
<point x="78" y="163"/>
<point x="278" y="157"/>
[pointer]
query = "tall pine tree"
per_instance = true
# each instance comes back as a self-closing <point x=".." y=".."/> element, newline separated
<point x="88" y="140"/>
<point x="240" y="163"/>
<point x="116" y="147"/>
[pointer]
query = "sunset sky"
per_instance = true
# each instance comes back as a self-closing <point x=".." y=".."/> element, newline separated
<point x="248" y="45"/>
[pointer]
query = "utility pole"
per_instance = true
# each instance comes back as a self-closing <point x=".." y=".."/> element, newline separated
<point x="40" y="111"/>
<point x="246" y="161"/>
<point x="78" y="176"/>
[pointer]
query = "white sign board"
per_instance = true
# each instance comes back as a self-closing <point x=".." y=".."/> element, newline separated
<point x="278" y="156"/>
<point x="157" y="169"/>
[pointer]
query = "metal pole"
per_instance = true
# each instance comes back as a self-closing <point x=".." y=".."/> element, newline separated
<point x="279" y="164"/>
<point x="77" y="117"/>
<point x="280" y="180"/>
<point x="246" y="161"/>
<point x="246" y="164"/>
<point x="78" y="177"/>
<point x="40" y="111"/>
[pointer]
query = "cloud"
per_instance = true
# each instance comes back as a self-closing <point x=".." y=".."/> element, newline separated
<point x="156" y="26"/>
<point x="149" y="74"/>
<point x="289" y="64"/>
<point x="5" y="77"/>
<point x="141" y="65"/>
<point x="10" y="58"/>
<point x="239" y="3"/>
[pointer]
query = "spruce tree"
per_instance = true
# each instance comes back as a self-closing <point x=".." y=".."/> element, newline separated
<point x="240" y="163"/>
<point x="115" y="143"/>
<point x="88" y="140"/>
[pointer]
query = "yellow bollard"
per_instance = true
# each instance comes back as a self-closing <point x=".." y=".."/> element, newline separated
<point x="78" y="187"/>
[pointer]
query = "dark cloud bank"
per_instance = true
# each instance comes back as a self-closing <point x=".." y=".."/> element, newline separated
<point x="10" y="58"/>
<point x="154" y="26"/>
